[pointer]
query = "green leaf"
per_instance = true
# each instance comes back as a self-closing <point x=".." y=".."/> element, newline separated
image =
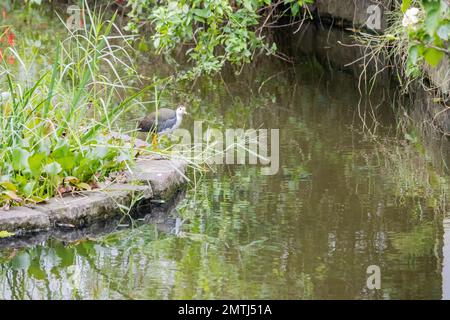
<point x="64" y="157"/>
<point x="405" y="5"/>
<point x="248" y="5"/>
<point x="413" y="55"/>
<point x="295" y="8"/>
<point x="20" y="159"/>
<point x="67" y="163"/>
<point x="71" y="179"/>
<point x="36" y="162"/>
<point x="143" y="47"/>
<point x="431" y="5"/>
<point x="52" y="169"/>
<point x="444" y="31"/>
<point x="45" y="146"/>
<point x="8" y="185"/>
<point x="156" y="42"/>
<point x="12" y="195"/>
<point x="432" y="22"/>
<point x="203" y="13"/>
<point x="83" y="186"/>
<point x="433" y="56"/>
<point x="28" y="189"/>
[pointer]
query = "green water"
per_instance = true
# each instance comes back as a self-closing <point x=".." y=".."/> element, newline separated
<point x="341" y="202"/>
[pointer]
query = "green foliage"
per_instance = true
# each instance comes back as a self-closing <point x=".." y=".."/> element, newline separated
<point x="429" y="37"/>
<point x="215" y="31"/>
<point x="55" y="132"/>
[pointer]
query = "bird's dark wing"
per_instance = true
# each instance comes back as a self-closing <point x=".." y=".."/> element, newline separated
<point x="166" y="119"/>
<point x="147" y="124"/>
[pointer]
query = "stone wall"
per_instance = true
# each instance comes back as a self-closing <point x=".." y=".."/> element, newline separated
<point x="440" y="76"/>
<point x="330" y="39"/>
<point x="333" y="48"/>
<point x="355" y="13"/>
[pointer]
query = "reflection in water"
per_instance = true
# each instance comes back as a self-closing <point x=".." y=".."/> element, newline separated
<point x="446" y="261"/>
<point x="341" y="202"/>
<point x="336" y="207"/>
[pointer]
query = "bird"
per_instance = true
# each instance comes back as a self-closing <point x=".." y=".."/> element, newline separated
<point x="162" y="121"/>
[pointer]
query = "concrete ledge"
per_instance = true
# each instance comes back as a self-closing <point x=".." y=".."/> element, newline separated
<point x="161" y="215"/>
<point x="87" y="207"/>
<point x="158" y="178"/>
<point x="164" y="176"/>
<point x="23" y="218"/>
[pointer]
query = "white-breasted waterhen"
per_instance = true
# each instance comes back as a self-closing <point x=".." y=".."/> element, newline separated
<point x="162" y="121"/>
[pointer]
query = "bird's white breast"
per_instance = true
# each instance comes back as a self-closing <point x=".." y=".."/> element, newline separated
<point x="176" y="125"/>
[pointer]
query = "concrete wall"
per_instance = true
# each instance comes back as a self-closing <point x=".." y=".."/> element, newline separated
<point x="333" y="48"/>
<point x="356" y="13"/>
<point x="359" y="13"/>
<point x="440" y="76"/>
<point x="332" y="43"/>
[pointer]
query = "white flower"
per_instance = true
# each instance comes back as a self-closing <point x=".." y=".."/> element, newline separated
<point x="4" y="96"/>
<point x="411" y="17"/>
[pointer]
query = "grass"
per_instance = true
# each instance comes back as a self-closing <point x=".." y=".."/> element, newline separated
<point x="388" y="50"/>
<point x="63" y="131"/>
<point x="55" y="133"/>
<point x="409" y="54"/>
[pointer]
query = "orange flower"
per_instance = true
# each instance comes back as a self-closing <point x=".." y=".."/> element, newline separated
<point x="82" y="19"/>
<point x="4" y="13"/>
<point x="11" y="37"/>
<point x="11" y="59"/>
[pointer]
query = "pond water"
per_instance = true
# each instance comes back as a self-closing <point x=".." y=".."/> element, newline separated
<point x="342" y="201"/>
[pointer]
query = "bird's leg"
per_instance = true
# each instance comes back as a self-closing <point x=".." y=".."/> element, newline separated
<point x="155" y="141"/>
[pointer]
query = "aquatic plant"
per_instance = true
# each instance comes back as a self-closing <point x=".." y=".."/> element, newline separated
<point x="428" y="28"/>
<point x="55" y="132"/>
<point x="415" y="39"/>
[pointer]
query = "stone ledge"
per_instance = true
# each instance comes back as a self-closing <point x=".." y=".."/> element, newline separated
<point x="160" y="179"/>
<point x="82" y="209"/>
<point x="23" y="218"/>
<point x="164" y="176"/>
